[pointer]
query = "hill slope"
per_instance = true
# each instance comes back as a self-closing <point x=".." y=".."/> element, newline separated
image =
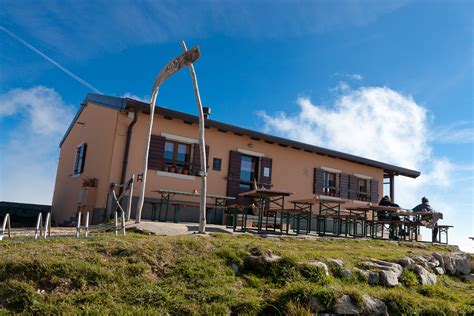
<point x="210" y="275"/>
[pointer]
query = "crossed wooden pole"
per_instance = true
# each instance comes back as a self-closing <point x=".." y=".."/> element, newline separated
<point x="185" y="59"/>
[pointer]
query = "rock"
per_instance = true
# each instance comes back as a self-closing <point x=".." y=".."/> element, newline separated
<point x="426" y="277"/>
<point x="433" y="264"/>
<point x="345" y="306"/>
<point x="438" y="270"/>
<point x="319" y="264"/>
<point x="315" y="305"/>
<point x="440" y="259"/>
<point x="468" y="277"/>
<point x="263" y="258"/>
<point x="338" y="263"/>
<point x="388" y="278"/>
<point x="457" y="263"/>
<point x="374" y="306"/>
<point x="346" y="273"/>
<point x="235" y="268"/>
<point x="405" y="261"/>
<point x="419" y="259"/>
<point x="384" y="265"/>
<point x="374" y="278"/>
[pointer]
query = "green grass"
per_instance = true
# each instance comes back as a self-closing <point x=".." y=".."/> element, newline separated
<point x="193" y="275"/>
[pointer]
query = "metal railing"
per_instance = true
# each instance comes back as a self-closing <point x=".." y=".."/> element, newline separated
<point x="6" y="225"/>
<point x="128" y="186"/>
<point x="39" y="229"/>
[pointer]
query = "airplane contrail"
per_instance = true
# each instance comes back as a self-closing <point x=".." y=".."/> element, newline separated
<point x="52" y="61"/>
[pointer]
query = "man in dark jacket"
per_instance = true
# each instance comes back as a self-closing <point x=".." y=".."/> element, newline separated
<point x="385" y="215"/>
<point x="426" y="208"/>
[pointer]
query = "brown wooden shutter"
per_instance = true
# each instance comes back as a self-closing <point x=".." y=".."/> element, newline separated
<point x="318" y="183"/>
<point x="196" y="163"/>
<point x="374" y="191"/>
<point x="344" y="186"/>
<point x="265" y="162"/>
<point x="353" y="187"/>
<point x="233" y="177"/>
<point x="156" y="156"/>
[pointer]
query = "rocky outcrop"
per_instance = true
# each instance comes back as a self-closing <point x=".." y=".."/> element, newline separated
<point x="320" y="265"/>
<point x="457" y="263"/>
<point x="426" y="277"/>
<point x="374" y="306"/>
<point x="345" y="306"/>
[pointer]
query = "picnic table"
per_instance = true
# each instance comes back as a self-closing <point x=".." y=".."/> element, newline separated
<point x="219" y="202"/>
<point x="263" y="200"/>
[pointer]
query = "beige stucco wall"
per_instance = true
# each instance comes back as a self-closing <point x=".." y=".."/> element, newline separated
<point x="105" y="132"/>
<point x="98" y="131"/>
<point x="292" y="169"/>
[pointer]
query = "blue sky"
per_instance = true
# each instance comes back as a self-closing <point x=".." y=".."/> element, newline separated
<point x="292" y="68"/>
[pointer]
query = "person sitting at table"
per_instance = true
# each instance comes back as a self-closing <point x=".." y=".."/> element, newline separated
<point x="385" y="215"/>
<point x="428" y="219"/>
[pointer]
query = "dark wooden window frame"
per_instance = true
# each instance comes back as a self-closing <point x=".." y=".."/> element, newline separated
<point x="216" y="164"/>
<point x="174" y="163"/>
<point x="255" y="171"/>
<point x="80" y="159"/>
<point x="363" y="195"/>
<point x="334" y="190"/>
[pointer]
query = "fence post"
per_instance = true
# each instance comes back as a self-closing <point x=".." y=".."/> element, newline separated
<point x="87" y="225"/>
<point x="47" y="226"/>
<point x="39" y="225"/>
<point x="115" y="223"/>
<point x="6" y="224"/>
<point x="78" y="227"/>
<point x="130" y="197"/>
<point x="123" y="223"/>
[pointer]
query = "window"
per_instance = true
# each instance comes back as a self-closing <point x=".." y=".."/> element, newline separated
<point x="177" y="157"/>
<point x="363" y="189"/>
<point x="331" y="184"/>
<point x="80" y="158"/>
<point x="216" y="164"/>
<point x="248" y="172"/>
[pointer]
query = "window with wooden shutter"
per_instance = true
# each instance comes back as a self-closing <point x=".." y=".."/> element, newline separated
<point x="353" y="187"/>
<point x="344" y="185"/>
<point x="318" y="183"/>
<point x="233" y="176"/>
<point x="156" y="156"/>
<point x="80" y="160"/>
<point x="374" y="191"/>
<point x="265" y="172"/>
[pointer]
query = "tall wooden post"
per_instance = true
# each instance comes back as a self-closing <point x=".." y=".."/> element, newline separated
<point x="202" y="147"/>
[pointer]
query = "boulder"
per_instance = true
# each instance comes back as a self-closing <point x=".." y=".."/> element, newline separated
<point x="419" y="259"/>
<point x="319" y="264"/>
<point x="384" y="266"/>
<point x="263" y="258"/>
<point x="438" y="270"/>
<point x="337" y="262"/>
<point x="468" y="277"/>
<point x="433" y="264"/>
<point x="438" y="257"/>
<point x="388" y="278"/>
<point x="426" y="277"/>
<point x="315" y="305"/>
<point x="374" y="306"/>
<point x="345" y="306"/>
<point x="405" y="261"/>
<point x="374" y="278"/>
<point x="457" y="263"/>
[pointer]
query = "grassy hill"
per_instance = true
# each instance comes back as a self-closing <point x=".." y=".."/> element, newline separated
<point x="196" y="275"/>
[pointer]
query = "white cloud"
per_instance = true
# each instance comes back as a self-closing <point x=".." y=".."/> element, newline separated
<point x="135" y="97"/>
<point x="385" y="125"/>
<point x="461" y="132"/>
<point x="29" y="150"/>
